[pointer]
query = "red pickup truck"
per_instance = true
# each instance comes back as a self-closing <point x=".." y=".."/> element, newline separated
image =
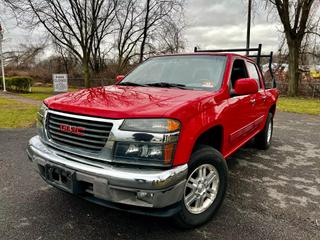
<point x="156" y="141"/>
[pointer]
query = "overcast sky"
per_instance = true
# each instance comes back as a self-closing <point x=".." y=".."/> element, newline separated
<point x="223" y="24"/>
<point x="210" y="24"/>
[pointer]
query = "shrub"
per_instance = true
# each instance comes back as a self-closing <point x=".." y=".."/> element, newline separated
<point x="18" y="84"/>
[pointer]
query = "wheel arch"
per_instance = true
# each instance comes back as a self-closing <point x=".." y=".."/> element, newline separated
<point x="273" y="109"/>
<point x="212" y="137"/>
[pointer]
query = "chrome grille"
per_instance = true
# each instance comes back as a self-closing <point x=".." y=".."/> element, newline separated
<point x="92" y="135"/>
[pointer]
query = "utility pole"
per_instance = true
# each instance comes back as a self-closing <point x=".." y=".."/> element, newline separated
<point x="2" y="64"/>
<point x="249" y="24"/>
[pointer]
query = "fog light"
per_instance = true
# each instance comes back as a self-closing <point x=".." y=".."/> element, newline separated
<point x="145" y="196"/>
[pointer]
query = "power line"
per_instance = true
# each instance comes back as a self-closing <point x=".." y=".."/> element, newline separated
<point x="249" y="24"/>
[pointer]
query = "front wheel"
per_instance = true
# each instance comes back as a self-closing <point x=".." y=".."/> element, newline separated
<point x="205" y="187"/>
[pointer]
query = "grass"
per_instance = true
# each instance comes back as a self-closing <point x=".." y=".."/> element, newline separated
<point x="299" y="105"/>
<point x="41" y="93"/>
<point x="16" y="114"/>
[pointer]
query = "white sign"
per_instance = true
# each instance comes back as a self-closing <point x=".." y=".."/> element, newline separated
<point x="60" y="82"/>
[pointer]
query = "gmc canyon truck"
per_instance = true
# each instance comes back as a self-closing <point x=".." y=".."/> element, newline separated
<point x="156" y="141"/>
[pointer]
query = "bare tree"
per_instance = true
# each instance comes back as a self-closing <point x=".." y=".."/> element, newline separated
<point x="310" y="44"/>
<point x="130" y="31"/>
<point x="145" y="29"/>
<point x="140" y="25"/>
<point x="83" y="27"/>
<point x="171" y="38"/>
<point x="297" y="21"/>
<point x="77" y="25"/>
<point x="25" y="56"/>
<point x="155" y="14"/>
<point x="99" y="47"/>
<point x="67" y="58"/>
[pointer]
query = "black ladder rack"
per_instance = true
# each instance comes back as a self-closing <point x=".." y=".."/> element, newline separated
<point x="258" y="56"/>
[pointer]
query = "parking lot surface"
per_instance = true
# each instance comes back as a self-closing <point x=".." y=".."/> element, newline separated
<point x="273" y="194"/>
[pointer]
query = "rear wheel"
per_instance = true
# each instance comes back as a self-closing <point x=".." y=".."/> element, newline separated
<point x="205" y="187"/>
<point x="264" y="138"/>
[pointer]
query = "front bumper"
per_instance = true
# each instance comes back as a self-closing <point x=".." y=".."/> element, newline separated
<point x="113" y="185"/>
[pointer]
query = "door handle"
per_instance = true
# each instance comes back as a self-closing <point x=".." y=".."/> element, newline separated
<point x="264" y="98"/>
<point x="252" y="101"/>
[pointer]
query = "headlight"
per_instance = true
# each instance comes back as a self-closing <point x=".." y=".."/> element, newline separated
<point x="42" y="112"/>
<point x="152" y="125"/>
<point x="144" y="153"/>
<point x="40" y="118"/>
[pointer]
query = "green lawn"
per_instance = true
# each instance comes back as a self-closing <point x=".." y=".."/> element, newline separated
<point x="15" y="114"/>
<point x="299" y="105"/>
<point x="41" y="93"/>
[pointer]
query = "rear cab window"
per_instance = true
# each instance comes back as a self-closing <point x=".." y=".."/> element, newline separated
<point x="254" y="73"/>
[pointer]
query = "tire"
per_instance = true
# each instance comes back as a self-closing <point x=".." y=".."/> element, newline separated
<point x="204" y="157"/>
<point x="264" y="138"/>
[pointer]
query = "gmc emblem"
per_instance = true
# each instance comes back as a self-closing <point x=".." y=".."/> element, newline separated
<point x="72" y="129"/>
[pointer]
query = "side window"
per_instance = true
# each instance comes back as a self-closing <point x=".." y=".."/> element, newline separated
<point x="253" y="72"/>
<point x="239" y="70"/>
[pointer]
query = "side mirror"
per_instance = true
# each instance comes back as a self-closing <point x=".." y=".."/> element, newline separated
<point x="245" y="86"/>
<point x="119" y="78"/>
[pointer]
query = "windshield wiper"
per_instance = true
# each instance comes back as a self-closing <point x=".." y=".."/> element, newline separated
<point x="131" y="84"/>
<point x="167" y="85"/>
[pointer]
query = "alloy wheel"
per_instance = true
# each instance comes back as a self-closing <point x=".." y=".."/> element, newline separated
<point x="201" y="188"/>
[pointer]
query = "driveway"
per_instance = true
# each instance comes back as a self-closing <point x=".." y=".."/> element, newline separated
<point x="273" y="194"/>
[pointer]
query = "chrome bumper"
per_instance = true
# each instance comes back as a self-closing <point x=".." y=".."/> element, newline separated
<point x="131" y="186"/>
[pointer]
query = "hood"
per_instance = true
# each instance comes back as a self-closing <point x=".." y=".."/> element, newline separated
<point x="124" y="101"/>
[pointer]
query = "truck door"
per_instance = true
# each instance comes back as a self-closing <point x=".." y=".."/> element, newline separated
<point x="260" y="97"/>
<point x="241" y="108"/>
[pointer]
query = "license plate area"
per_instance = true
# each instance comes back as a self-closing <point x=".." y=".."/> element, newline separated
<point x="61" y="178"/>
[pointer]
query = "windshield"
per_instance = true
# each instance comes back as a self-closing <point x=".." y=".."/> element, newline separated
<point x="189" y="72"/>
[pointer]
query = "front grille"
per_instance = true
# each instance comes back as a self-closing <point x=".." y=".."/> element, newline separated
<point x="92" y="135"/>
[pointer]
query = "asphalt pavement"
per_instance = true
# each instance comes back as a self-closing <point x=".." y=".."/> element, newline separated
<point x="273" y="194"/>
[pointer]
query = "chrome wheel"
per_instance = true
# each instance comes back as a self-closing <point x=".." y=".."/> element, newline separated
<point x="269" y="132"/>
<point x="201" y="188"/>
